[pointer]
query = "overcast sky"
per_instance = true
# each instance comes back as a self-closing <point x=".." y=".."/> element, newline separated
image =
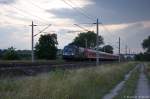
<point x="128" y="19"/>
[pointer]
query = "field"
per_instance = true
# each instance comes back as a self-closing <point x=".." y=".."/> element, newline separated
<point x="84" y="83"/>
<point x="147" y="71"/>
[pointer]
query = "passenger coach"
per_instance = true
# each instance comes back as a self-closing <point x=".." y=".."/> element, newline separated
<point x="72" y="52"/>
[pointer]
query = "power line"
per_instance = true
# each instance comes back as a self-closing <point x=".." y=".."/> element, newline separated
<point x="81" y="12"/>
<point x="81" y="27"/>
<point x="35" y="5"/>
<point x="23" y="11"/>
<point x="8" y="23"/>
<point x="74" y="31"/>
<point x="43" y="30"/>
<point x="110" y="32"/>
<point x="32" y="41"/>
<point x="85" y="13"/>
<point x="106" y="29"/>
<point x="87" y="30"/>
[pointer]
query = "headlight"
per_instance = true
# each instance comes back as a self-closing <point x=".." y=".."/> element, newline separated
<point x="68" y="53"/>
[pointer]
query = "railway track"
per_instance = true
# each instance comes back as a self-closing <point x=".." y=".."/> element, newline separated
<point x="33" y="69"/>
<point x="21" y="68"/>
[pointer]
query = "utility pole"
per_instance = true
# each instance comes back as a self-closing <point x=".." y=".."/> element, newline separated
<point x="33" y="35"/>
<point x="86" y="43"/>
<point x="119" y="49"/>
<point x="32" y="40"/>
<point x="97" y="43"/>
<point x="129" y="51"/>
<point x="126" y="48"/>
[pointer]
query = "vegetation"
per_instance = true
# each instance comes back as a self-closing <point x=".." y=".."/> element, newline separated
<point x="107" y="49"/>
<point x="21" y="54"/>
<point x="88" y="38"/>
<point x="46" y="48"/>
<point x="147" y="70"/>
<point x="24" y="54"/>
<point x="146" y="44"/>
<point x="10" y="54"/>
<point x="146" y="55"/>
<point x="89" y="83"/>
<point x="143" y="57"/>
<point x="130" y="86"/>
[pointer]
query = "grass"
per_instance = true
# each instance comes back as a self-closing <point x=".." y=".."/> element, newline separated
<point x="29" y="61"/>
<point x="147" y="70"/>
<point x="87" y="83"/>
<point x="130" y="86"/>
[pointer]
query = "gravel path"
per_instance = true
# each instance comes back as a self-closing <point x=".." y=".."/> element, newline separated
<point x="119" y="86"/>
<point x="143" y="89"/>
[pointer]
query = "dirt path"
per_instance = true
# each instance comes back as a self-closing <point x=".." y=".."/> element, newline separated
<point x="143" y="89"/>
<point x="119" y="86"/>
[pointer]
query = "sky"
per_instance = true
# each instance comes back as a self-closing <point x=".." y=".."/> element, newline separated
<point x="127" y="19"/>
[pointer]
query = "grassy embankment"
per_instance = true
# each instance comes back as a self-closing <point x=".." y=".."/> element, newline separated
<point x="129" y="88"/>
<point x="29" y="61"/>
<point x="147" y="70"/>
<point x="87" y="83"/>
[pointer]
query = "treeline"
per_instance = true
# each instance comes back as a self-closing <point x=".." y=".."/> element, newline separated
<point x="46" y="47"/>
<point x="146" y="55"/>
<point x="143" y="57"/>
<point x="13" y="54"/>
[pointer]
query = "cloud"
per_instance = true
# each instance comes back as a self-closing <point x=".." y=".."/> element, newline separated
<point x="6" y="1"/>
<point x="146" y="24"/>
<point x="16" y="37"/>
<point x="116" y="27"/>
<point x="126" y="19"/>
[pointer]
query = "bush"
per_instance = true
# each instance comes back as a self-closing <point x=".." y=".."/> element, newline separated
<point x="10" y="54"/>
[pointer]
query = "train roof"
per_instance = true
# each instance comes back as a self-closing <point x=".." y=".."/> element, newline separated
<point x="91" y="50"/>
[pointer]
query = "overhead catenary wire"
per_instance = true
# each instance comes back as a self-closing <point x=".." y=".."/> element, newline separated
<point x="91" y="16"/>
<point x="83" y="10"/>
<point x="81" y="27"/>
<point x="27" y="13"/>
<point x="30" y="1"/>
<point x="42" y="19"/>
<point x="8" y="23"/>
<point x="43" y="30"/>
<point x="83" y="13"/>
<point x="37" y="6"/>
<point x="79" y="11"/>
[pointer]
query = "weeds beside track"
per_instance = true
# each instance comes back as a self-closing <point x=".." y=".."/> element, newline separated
<point x="84" y="83"/>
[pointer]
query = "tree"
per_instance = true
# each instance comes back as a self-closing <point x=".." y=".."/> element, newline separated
<point x="0" y="53"/>
<point x="146" y="44"/>
<point x="146" y="55"/>
<point x="88" y="38"/>
<point x="107" y="49"/>
<point x="142" y="57"/>
<point x="10" y="54"/>
<point x="46" y="47"/>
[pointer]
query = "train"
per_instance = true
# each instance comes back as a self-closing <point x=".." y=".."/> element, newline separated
<point x="73" y="52"/>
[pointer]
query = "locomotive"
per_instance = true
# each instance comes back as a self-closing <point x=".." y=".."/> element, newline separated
<point x="73" y="52"/>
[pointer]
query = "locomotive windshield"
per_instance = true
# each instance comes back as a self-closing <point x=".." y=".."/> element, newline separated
<point x="69" y="50"/>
